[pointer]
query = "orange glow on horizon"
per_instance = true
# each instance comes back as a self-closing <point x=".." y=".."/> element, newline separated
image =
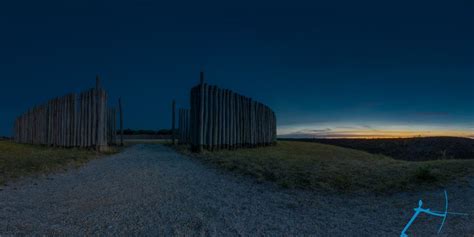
<point x="376" y="133"/>
<point x="402" y="134"/>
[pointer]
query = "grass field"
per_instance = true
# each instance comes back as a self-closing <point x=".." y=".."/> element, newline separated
<point x="410" y="149"/>
<point x="318" y="166"/>
<point x="18" y="160"/>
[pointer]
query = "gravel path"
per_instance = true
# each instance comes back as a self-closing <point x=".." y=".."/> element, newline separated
<point x="150" y="190"/>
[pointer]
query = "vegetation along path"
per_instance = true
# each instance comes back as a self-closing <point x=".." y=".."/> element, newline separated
<point x="151" y="190"/>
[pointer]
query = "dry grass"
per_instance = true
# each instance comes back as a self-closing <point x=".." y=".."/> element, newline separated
<point x="18" y="160"/>
<point x="318" y="166"/>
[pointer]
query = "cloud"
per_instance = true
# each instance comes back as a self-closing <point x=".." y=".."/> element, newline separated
<point x="369" y="127"/>
<point x="314" y="130"/>
<point x="347" y="127"/>
<point x="332" y="135"/>
<point x="368" y="130"/>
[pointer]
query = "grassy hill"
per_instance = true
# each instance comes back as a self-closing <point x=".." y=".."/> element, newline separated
<point x="311" y="165"/>
<point x="412" y="149"/>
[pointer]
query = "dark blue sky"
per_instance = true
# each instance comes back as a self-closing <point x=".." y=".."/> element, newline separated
<point x="324" y="66"/>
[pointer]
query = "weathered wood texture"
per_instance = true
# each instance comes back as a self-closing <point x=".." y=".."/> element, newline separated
<point x="183" y="126"/>
<point x="222" y="119"/>
<point x="112" y="126"/>
<point x="70" y="121"/>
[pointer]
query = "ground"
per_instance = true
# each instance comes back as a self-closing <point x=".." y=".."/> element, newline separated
<point x="310" y="165"/>
<point x="151" y="190"/>
<point x="17" y="160"/>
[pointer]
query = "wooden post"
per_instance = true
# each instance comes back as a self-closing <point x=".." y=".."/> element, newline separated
<point x="224" y="118"/>
<point x="66" y="121"/>
<point x="78" y="120"/>
<point x="98" y="119"/>
<point x="192" y="118"/>
<point x="218" y="118"/>
<point x="210" y="120"/>
<point x="51" y="123"/>
<point x="229" y="119"/>
<point x="96" y="112"/>
<point x="75" y="123"/>
<point x="71" y="121"/>
<point x="56" y="123"/>
<point x="252" y="123"/>
<point x="241" y="126"/>
<point x="84" y="119"/>
<point x="205" y="124"/>
<point x="85" y="123"/>
<point x="259" y="129"/>
<point x="80" y="135"/>
<point x="200" y="124"/>
<point x="59" y="121"/>
<point x="244" y="121"/>
<point x="237" y="120"/>
<point x="90" y="107"/>
<point x="104" y="118"/>
<point x="232" y="120"/>
<point x="249" y="122"/>
<point x="62" y="121"/>
<point x="215" y="117"/>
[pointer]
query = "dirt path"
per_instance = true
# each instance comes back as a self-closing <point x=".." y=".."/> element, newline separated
<point x="151" y="190"/>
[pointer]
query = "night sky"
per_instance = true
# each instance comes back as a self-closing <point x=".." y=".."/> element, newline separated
<point x="327" y="68"/>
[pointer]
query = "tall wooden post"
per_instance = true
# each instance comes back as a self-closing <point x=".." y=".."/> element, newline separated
<point x="219" y="118"/>
<point x="215" y="117"/>
<point x="121" y="121"/>
<point x="95" y="113"/>
<point x="201" y="114"/>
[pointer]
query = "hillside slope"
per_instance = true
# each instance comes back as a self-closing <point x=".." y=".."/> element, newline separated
<point x="412" y="149"/>
<point x="312" y="166"/>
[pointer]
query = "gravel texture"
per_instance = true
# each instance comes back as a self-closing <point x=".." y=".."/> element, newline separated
<point x="150" y="190"/>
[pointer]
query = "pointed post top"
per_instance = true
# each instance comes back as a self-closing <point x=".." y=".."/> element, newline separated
<point x="97" y="82"/>
<point x="202" y="77"/>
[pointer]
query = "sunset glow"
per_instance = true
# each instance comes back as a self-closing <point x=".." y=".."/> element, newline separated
<point x="364" y="131"/>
